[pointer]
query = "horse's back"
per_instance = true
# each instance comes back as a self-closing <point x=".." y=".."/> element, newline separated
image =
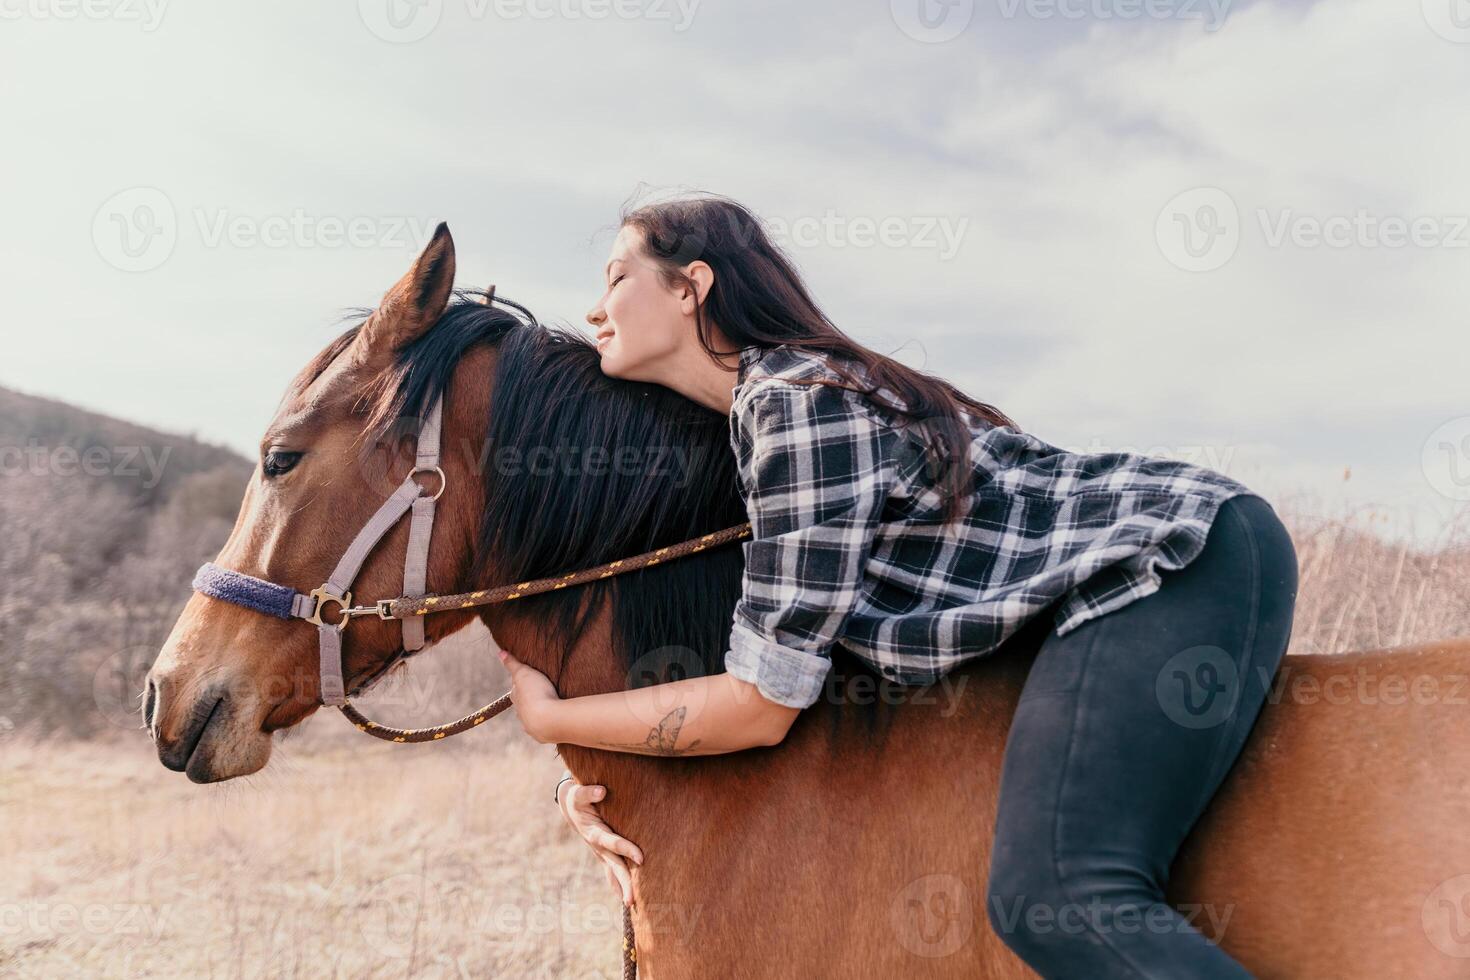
<point x="1337" y="845"/>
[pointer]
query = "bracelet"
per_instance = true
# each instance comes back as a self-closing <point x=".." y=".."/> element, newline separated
<point x="556" y="793"/>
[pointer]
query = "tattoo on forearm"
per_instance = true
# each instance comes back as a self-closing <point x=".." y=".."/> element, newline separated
<point x="661" y="738"/>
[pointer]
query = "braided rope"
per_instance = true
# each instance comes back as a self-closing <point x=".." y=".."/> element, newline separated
<point x="630" y="952"/>
<point x="390" y="734"/>
<point x="423" y="606"/>
<point x="426" y="605"/>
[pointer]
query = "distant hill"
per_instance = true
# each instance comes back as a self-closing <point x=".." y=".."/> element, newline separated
<point x="102" y="523"/>
<point x="145" y="464"/>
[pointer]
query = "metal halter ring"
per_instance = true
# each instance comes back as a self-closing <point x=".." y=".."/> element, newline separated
<point x="443" y="480"/>
<point x="322" y="596"/>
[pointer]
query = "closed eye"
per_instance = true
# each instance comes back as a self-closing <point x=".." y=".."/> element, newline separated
<point x="278" y="461"/>
<point x="616" y="280"/>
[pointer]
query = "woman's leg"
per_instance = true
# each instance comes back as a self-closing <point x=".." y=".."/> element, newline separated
<point x="1125" y="728"/>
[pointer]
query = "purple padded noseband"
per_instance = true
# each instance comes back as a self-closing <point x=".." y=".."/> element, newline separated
<point x="245" y="590"/>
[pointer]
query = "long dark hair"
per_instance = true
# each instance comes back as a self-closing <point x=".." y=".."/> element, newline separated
<point x="759" y="299"/>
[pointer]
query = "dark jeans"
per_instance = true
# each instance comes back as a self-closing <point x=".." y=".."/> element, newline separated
<point x="1125" y="728"/>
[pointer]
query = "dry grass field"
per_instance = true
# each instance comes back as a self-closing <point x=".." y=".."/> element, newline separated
<point x="345" y="857"/>
<point x="349" y="857"/>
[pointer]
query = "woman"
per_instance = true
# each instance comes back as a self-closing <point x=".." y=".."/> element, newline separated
<point x="919" y="528"/>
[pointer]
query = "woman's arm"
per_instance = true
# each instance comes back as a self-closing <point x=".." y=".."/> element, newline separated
<point x="697" y="716"/>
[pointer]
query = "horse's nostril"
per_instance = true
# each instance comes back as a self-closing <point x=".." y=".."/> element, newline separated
<point x="150" y="706"/>
<point x="189" y="728"/>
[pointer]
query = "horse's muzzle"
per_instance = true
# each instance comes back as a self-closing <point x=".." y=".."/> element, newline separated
<point x="186" y="747"/>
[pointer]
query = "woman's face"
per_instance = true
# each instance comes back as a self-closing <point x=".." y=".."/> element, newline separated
<point x="641" y="323"/>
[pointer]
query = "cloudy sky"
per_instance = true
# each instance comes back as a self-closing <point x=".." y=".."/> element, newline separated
<point x="1229" y="232"/>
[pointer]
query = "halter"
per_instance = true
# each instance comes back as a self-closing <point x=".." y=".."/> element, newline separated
<point x="411" y="607"/>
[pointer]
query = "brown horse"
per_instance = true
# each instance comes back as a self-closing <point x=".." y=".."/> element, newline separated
<point x="859" y="846"/>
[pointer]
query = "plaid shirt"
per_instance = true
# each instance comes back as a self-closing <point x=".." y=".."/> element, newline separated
<point x="847" y="544"/>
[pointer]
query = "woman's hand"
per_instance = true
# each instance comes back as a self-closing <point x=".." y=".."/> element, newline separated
<point x="578" y="804"/>
<point x="534" y="696"/>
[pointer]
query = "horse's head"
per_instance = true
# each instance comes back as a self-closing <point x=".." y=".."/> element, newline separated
<point x="550" y="466"/>
<point x="341" y="441"/>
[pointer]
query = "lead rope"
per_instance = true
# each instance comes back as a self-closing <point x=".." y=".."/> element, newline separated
<point x="630" y="952"/>
<point x="406" y="606"/>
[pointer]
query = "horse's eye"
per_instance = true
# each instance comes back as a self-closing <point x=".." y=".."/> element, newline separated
<point x="277" y="462"/>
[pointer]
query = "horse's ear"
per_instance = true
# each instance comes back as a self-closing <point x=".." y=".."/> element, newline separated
<point x="418" y="299"/>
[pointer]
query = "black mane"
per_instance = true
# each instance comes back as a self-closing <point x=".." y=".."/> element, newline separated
<point x="582" y="469"/>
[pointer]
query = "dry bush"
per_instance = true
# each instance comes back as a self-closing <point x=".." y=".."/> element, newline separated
<point x="1364" y="586"/>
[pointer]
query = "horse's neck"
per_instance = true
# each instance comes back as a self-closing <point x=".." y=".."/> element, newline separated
<point x="589" y="667"/>
<point x="638" y="785"/>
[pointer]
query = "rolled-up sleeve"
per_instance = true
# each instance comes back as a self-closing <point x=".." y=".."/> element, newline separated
<point x="817" y="468"/>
